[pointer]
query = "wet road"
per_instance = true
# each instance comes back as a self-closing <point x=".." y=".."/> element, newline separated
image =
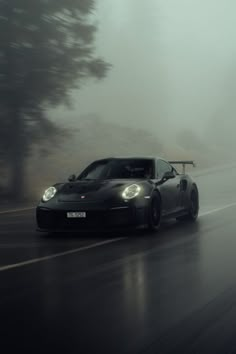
<point x="171" y="292"/>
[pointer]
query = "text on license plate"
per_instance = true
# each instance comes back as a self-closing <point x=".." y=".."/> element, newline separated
<point x="76" y="214"/>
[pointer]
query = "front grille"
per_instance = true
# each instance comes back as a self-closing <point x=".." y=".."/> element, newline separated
<point x="49" y="219"/>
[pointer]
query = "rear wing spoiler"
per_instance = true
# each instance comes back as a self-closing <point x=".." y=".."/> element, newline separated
<point x="183" y="163"/>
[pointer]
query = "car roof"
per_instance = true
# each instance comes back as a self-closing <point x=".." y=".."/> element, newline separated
<point x="132" y="158"/>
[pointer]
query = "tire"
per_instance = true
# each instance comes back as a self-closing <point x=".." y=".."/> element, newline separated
<point x="192" y="214"/>
<point x="154" y="213"/>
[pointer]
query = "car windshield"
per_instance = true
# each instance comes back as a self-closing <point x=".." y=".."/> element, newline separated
<point x="119" y="169"/>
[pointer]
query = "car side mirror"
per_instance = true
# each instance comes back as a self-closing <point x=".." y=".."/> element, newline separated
<point x="72" y="178"/>
<point x="168" y="175"/>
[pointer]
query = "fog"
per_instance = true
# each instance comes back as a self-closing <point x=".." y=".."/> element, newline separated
<point x="170" y="90"/>
<point x="173" y="65"/>
<point x="172" y="75"/>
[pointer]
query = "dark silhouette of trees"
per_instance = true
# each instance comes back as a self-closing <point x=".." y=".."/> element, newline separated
<point x="46" y="50"/>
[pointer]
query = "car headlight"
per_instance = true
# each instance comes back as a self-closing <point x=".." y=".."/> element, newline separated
<point x="131" y="191"/>
<point x="49" y="194"/>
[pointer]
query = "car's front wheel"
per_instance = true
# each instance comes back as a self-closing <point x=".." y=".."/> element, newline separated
<point x="154" y="215"/>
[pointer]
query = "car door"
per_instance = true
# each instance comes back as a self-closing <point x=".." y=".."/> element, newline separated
<point x="170" y="189"/>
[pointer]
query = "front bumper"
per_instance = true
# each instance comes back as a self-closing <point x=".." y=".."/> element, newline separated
<point x="50" y="219"/>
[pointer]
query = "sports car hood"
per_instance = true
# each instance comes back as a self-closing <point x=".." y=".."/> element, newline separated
<point x="95" y="190"/>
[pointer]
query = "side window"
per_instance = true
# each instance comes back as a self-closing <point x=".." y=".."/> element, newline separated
<point x="163" y="167"/>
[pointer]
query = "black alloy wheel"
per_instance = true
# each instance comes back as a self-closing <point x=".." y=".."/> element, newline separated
<point x="193" y="210"/>
<point x="194" y="205"/>
<point x="154" y="217"/>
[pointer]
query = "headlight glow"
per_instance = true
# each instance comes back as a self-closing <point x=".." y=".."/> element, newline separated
<point x="131" y="191"/>
<point x="49" y="194"/>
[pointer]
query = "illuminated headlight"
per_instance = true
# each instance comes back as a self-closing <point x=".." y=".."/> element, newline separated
<point x="131" y="191"/>
<point x="49" y="194"/>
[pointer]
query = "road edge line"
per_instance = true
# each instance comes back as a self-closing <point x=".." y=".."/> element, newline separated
<point x="57" y="255"/>
<point x="15" y="210"/>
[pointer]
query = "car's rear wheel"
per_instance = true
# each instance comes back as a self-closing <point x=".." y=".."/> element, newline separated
<point x="154" y="216"/>
<point x="194" y="208"/>
<point x="192" y="214"/>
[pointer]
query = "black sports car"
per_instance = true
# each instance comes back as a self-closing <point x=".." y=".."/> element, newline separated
<point x="119" y="192"/>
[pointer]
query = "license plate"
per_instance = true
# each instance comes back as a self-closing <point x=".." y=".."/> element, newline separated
<point x="76" y="214"/>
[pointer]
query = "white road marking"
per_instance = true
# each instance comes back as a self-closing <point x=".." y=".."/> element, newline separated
<point x="15" y="210"/>
<point x="61" y="254"/>
<point x="217" y="209"/>
<point x="84" y="248"/>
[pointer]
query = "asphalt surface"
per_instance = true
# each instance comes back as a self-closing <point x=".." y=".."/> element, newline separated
<point x="169" y="292"/>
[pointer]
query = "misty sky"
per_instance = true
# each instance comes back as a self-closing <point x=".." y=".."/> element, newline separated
<point x="173" y="63"/>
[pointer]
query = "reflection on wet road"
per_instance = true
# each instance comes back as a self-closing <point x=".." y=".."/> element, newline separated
<point x="171" y="292"/>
